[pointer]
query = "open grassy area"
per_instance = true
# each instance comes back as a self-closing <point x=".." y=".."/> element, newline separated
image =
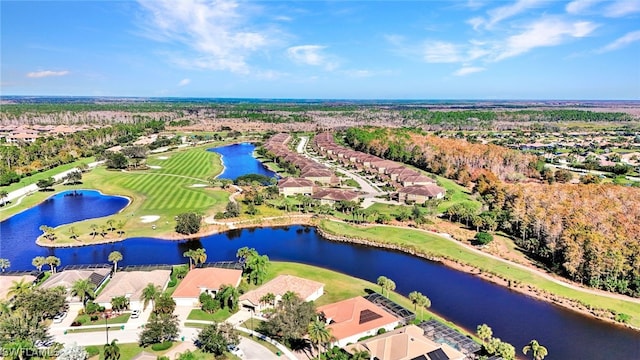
<point x="165" y="192"/>
<point x="94" y="329"/>
<point x="438" y="246"/>
<point x="46" y="174"/>
<point x="218" y="316"/>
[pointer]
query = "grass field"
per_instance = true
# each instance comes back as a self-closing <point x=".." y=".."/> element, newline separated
<point x="439" y="246"/>
<point x="164" y="192"/>
<point x="218" y="316"/>
<point x="46" y="174"/>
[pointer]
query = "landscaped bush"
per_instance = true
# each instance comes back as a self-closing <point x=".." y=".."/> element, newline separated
<point x="76" y="323"/>
<point x="623" y="318"/>
<point x="483" y="238"/>
<point x="92" y="350"/>
<point x="381" y="331"/>
<point x="92" y="308"/>
<point x="162" y="346"/>
<point x="94" y="317"/>
<point x="172" y="283"/>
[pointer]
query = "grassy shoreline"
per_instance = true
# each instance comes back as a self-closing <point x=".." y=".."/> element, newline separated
<point x="456" y="255"/>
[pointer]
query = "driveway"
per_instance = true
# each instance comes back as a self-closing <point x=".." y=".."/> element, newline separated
<point x="254" y="351"/>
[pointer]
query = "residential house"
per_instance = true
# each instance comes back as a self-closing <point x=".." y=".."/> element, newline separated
<point x="130" y="285"/>
<point x="7" y="281"/>
<point x="352" y="319"/>
<point x="331" y="196"/>
<point x="67" y="278"/>
<point x="420" y="193"/>
<point x="405" y="343"/>
<point x="291" y="186"/>
<point x="201" y="280"/>
<point x="307" y="290"/>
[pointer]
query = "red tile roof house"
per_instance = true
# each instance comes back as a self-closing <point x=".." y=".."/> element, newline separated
<point x="352" y="319"/>
<point x="323" y="176"/>
<point x="291" y="186"/>
<point x="331" y="196"/>
<point x="307" y="290"/>
<point x="208" y="280"/>
<point x="420" y="193"/>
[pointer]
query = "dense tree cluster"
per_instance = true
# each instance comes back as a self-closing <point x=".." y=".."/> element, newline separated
<point x="589" y="232"/>
<point x="452" y="158"/>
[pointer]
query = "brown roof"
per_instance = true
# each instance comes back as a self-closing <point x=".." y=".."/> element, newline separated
<point x="316" y="173"/>
<point x="335" y="194"/>
<point x="405" y="343"/>
<point x="294" y="182"/>
<point x="206" y="278"/>
<point x="423" y="190"/>
<point x="68" y="277"/>
<point x="6" y="282"/>
<point x="131" y="284"/>
<point x="280" y="285"/>
<point x="355" y="316"/>
<point x="418" y="179"/>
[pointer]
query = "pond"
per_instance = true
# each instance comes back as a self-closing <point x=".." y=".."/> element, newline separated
<point x="238" y="160"/>
<point x="19" y="232"/>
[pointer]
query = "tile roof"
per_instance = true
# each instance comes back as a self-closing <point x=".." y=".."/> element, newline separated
<point x="335" y="194"/>
<point x="355" y="316"/>
<point x="406" y="343"/>
<point x="206" y="278"/>
<point x="280" y="285"/>
<point x="422" y="190"/>
<point x="68" y="277"/>
<point x="131" y="284"/>
<point x="294" y="182"/>
<point x="6" y="282"/>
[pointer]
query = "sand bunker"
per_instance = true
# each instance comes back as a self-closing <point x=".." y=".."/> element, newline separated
<point x="163" y="157"/>
<point x="199" y="185"/>
<point x="155" y="167"/>
<point x="149" y="218"/>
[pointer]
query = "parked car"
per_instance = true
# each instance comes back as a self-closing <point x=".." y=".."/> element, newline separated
<point x="59" y="317"/>
<point x="135" y="314"/>
<point x="235" y="350"/>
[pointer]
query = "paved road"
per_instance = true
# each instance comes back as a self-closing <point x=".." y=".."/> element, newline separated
<point x="254" y="351"/>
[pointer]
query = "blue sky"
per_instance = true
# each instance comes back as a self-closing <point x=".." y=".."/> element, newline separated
<point x="466" y="49"/>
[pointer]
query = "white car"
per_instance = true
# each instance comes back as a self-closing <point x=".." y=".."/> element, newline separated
<point x="235" y="350"/>
<point x="135" y="314"/>
<point x="59" y="317"/>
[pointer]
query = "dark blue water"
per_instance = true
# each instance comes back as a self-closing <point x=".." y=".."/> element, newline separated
<point x="19" y="232"/>
<point x="238" y="160"/>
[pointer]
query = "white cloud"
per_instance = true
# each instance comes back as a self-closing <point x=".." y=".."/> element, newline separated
<point x="442" y="52"/>
<point x="545" y="32"/>
<point x="580" y="6"/>
<point x="311" y="55"/>
<point x="466" y="70"/>
<point x="498" y="14"/>
<point x="621" y="42"/>
<point x="217" y="31"/>
<point x="622" y="8"/>
<point x="46" y="73"/>
<point x="184" y="82"/>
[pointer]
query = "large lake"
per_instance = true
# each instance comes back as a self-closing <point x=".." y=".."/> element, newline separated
<point x="238" y="160"/>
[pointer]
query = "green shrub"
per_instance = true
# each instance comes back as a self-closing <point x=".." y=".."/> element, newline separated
<point x="92" y="308"/>
<point x="162" y="346"/>
<point x="92" y="350"/>
<point x="172" y="283"/>
<point x="623" y="318"/>
<point x="483" y="238"/>
<point x="381" y="331"/>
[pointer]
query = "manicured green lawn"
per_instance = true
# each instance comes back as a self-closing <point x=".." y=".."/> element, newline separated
<point x="164" y="192"/>
<point x="456" y="194"/>
<point x="129" y="351"/>
<point x="437" y="246"/>
<point x="218" y="316"/>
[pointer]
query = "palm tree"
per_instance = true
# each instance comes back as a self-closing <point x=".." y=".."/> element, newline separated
<point x="423" y="302"/>
<point x="360" y="355"/>
<point x="319" y="334"/>
<point x="4" y="264"/>
<point x="94" y="230"/>
<point x="150" y="293"/>
<point x="537" y="351"/>
<point x="382" y="281"/>
<point x="38" y="262"/>
<point x="111" y="351"/>
<point x="258" y="265"/>
<point x="53" y="262"/>
<point x="114" y="257"/>
<point x="200" y="256"/>
<point x="191" y="255"/>
<point x="19" y="288"/>
<point x="228" y="295"/>
<point x="119" y="303"/>
<point x="484" y="332"/>
<point x="120" y="227"/>
<point x="83" y="288"/>
<point x="110" y="224"/>
<point x="72" y="233"/>
<point x="413" y="296"/>
<point x="268" y="299"/>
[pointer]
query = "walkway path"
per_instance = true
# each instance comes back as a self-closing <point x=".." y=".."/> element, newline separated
<point x="29" y="189"/>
